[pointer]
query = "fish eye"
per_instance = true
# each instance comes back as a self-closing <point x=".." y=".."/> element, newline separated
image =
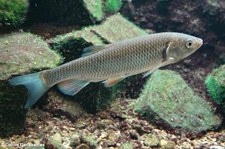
<point x="189" y="44"/>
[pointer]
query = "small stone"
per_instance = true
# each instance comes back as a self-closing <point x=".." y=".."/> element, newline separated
<point x="83" y="146"/>
<point x="56" y="140"/>
<point x="90" y="140"/>
<point x="151" y="141"/>
<point x="114" y="136"/>
<point x="101" y="125"/>
<point x="166" y="144"/>
<point x="133" y="134"/>
<point x="126" y="145"/>
<point x="75" y="140"/>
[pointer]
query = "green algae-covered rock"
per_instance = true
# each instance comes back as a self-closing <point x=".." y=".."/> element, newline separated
<point x="127" y="145"/>
<point x="20" y="53"/>
<point x="117" y="28"/>
<point x="168" y="100"/>
<point x="12" y="112"/>
<point x="81" y="12"/>
<point x="215" y="84"/>
<point x="24" y="52"/>
<point x="95" y="8"/>
<point x="62" y="12"/>
<point x="95" y="96"/>
<point x="113" y="5"/>
<point x="13" y="12"/>
<point x="72" y="44"/>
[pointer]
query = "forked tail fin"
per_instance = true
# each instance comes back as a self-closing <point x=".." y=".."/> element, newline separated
<point x="34" y="84"/>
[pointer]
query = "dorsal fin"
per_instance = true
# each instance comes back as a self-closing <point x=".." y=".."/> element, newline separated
<point x="93" y="49"/>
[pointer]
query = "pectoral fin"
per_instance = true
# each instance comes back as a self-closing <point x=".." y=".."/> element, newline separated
<point x="93" y="49"/>
<point x="112" y="81"/>
<point x="71" y="87"/>
<point x="151" y="71"/>
<point x="165" y="53"/>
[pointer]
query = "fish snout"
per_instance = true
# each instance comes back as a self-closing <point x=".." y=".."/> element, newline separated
<point x="198" y="43"/>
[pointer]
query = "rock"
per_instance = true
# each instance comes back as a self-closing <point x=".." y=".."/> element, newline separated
<point x="94" y="8"/>
<point x="62" y="106"/>
<point x="120" y="28"/>
<point x="90" y="140"/>
<point x="64" y="12"/>
<point x="83" y="146"/>
<point x="113" y="6"/>
<point x="126" y="145"/>
<point x="95" y="97"/>
<point x="20" y="53"/>
<point x="169" y="101"/>
<point x="151" y="141"/>
<point x="215" y="84"/>
<point x="75" y="140"/>
<point x="13" y="13"/>
<point x="23" y="53"/>
<point x="114" y="136"/>
<point x="165" y="144"/>
<point x="56" y="140"/>
<point x="213" y="11"/>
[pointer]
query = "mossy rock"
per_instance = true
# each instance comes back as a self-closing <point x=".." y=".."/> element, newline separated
<point x="215" y="84"/>
<point x="117" y="28"/>
<point x="70" y="12"/>
<point x="20" y="53"/>
<point x="113" y="6"/>
<point x="13" y="12"/>
<point x="95" y="97"/>
<point x="169" y="101"/>
<point x="23" y="53"/>
<point x="64" y="12"/>
<point x="12" y="112"/>
<point x="95" y="8"/>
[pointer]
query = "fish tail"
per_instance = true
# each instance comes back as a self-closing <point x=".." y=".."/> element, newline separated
<point x="34" y="84"/>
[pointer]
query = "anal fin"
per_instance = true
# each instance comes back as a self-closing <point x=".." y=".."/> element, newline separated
<point x="71" y="87"/>
<point x="112" y="81"/>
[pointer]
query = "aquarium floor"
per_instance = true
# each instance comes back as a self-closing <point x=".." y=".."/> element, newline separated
<point x="109" y="128"/>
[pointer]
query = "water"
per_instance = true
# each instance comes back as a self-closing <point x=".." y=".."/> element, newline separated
<point x="182" y="105"/>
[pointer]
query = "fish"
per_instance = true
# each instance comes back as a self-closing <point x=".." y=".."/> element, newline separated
<point x="110" y="63"/>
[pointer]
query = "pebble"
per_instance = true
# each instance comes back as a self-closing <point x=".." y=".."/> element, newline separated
<point x="83" y="146"/>
<point x="126" y="145"/>
<point x="75" y="140"/>
<point x="166" y="144"/>
<point x="114" y="135"/>
<point x="90" y="140"/>
<point x="151" y="141"/>
<point x="56" y="140"/>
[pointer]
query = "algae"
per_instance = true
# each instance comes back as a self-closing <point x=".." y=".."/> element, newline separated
<point x="167" y="99"/>
<point x="215" y="84"/>
<point x="113" y="6"/>
<point x="95" y="8"/>
<point x="24" y="52"/>
<point x="13" y="12"/>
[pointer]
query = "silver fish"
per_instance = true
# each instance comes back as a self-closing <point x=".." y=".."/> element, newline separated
<point x="111" y="63"/>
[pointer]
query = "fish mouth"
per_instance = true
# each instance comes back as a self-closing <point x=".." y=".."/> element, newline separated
<point x="199" y="43"/>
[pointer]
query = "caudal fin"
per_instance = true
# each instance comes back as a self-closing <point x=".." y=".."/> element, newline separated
<point x="35" y="86"/>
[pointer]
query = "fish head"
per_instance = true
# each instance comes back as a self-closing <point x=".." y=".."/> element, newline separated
<point x="182" y="46"/>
